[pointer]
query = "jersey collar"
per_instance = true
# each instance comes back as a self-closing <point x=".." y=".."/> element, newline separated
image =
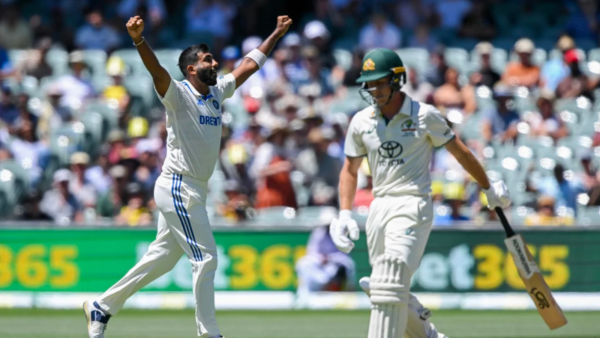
<point x="195" y="92"/>
<point x="405" y="110"/>
<point x="407" y="105"/>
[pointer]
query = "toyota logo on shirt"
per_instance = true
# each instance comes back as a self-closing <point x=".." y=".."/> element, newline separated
<point x="390" y="149"/>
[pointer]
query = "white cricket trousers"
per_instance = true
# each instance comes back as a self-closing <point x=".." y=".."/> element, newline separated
<point x="399" y="226"/>
<point x="183" y="227"/>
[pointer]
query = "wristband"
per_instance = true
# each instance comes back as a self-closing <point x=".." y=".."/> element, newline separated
<point x="139" y="43"/>
<point x="259" y="57"/>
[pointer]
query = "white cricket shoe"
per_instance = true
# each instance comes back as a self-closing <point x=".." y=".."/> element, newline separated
<point x="96" y="319"/>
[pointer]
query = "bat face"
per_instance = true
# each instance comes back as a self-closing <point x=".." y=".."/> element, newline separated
<point x="534" y="281"/>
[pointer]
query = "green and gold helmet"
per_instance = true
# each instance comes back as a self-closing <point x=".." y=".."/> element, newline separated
<point x="377" y="64"/>
<point x="380" y="63"/>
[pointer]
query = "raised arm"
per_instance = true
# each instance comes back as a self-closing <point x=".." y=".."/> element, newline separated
<point x="256" y="58"/>
<point x="160" y="76"/>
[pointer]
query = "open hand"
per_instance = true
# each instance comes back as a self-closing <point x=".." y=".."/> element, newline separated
<point x="135" y="27"/>
<point x="283" y="24"/>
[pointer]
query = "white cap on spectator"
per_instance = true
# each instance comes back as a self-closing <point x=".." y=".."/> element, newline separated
<point x="54" y="89"/>
<point x="309" y="112"/>
<point x="297" y="125"/>
<point x="328" y="133"/>
<point x="118" y="171"/>
<point x="288" y="101"/>
<point x="524" y="45"/>
<point x="147" y="145"/>
<point x="76" y="57"/>
<point x="338" y="118"/>
<point x="484" y="48"/>
<point x="116" y="135"/>
<point x="316" y="29"/>
<point x="310" y="90"/>
<point x="62" y="175"/>
<point x="250" y="43"/>
<point x="80" y="158"/>
<point x="565" y="43"/>
<point x="292" y="39"/>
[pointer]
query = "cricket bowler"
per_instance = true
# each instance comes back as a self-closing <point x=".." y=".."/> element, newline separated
<point x="193" y="109"/>
<point x="397" y="135"/>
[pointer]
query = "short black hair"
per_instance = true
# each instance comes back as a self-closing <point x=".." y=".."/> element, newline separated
<point x="189" y="56"/>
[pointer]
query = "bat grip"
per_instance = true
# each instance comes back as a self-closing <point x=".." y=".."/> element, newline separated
<point x="509" y="231"/>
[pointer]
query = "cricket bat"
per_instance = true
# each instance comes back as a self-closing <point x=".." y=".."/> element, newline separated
<point x="532" y="277"/>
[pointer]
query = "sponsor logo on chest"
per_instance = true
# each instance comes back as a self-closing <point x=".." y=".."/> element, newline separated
<point x="390" y="151"/>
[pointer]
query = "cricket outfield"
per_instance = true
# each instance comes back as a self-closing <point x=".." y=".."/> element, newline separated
<point x="28" y="323"/>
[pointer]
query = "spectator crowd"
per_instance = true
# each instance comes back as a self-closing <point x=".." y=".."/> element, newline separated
<point x="83" y="136"/>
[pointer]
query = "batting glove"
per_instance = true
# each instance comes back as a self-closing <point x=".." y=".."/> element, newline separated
<point x="497" y="195"/>
<point x="343" y="231"/>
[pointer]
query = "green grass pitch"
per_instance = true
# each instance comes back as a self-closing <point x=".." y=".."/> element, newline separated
<point x="288" y="324"/>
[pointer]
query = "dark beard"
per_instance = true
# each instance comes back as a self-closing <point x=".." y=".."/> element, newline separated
<point x="208" y="76"/>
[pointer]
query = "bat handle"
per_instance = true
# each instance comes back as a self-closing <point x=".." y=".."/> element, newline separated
<point x="509" y="231"/>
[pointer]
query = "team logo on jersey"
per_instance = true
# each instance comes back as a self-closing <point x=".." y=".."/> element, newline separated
<point x="408" y="127"/>
<point x="390" y="149"/>
<point x="216" y="104"/>
<point x="369" y="65"/>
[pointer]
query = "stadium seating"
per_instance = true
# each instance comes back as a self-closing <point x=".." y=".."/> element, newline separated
<point x="169" y="58"/>
<point x="58" y="59"/>
<point x="457" y="58"/>
<point x="109" y="115"/>
<point x="538" y="57"/>
<point x="142" y="87"/>
<point x="415" y="58"/>
<point x="96" y="61"/>
<point x="343" y="58"/>
<point x="498" y="60"/>
<point x="66" y="140"/>
<point x="132" y="60"/>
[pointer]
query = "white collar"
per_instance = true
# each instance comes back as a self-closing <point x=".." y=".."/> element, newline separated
<point x="195" y="92"/>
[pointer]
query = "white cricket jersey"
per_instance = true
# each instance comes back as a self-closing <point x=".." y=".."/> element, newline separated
<point x="399" y="153"/>
<point x="194" y="127"/>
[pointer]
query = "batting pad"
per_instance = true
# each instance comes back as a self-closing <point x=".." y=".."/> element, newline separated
<point x="390" y="282"/>
<point x="388" y="320"/>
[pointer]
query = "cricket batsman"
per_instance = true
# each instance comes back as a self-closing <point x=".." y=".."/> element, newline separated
<point x="397" y="135"/>
<point x="193" y="109"/>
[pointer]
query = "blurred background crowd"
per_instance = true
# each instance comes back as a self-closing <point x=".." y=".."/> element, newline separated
<point x="82" y="133"/>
